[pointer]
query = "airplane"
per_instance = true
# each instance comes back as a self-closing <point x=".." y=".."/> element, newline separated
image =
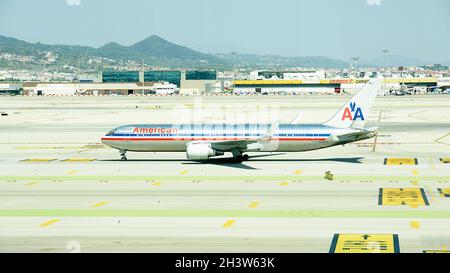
<point x="203" y="141"/>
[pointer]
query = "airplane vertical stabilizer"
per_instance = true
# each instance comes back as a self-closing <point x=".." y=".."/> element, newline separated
<point x="356" y="111"/>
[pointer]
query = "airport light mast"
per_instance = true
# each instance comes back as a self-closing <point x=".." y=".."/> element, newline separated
<point x="234" y="53"/>
<point x="143" y="77"/>
<point x="355" y="59"/>
<point x="385" y="53"/>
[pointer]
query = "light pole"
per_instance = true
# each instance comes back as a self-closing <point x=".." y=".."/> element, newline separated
<point x="355" y="59"/>
<point x="234" y="53"/>
<point x="385" y="53"/>
<point x="143" y="77"/>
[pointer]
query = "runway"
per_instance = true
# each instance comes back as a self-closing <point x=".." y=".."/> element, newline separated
<point x="61" y="190"/>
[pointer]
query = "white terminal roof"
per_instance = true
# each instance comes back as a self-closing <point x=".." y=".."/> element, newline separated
<point x="83" y="86"/>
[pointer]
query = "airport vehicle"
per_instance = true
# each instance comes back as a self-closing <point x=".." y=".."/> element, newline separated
<point x="203" y="141"/>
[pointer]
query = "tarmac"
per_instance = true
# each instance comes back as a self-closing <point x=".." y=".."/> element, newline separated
<point x="61" y="190"/>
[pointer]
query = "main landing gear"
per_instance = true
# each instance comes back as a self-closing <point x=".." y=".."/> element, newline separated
<point x="122" y="153"/>
<point x="239" y="157"/>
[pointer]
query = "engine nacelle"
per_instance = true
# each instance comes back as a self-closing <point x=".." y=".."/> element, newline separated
<point x="200" y="151"/>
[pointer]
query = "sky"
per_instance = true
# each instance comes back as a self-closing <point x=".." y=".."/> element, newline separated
<point x="338" y="29"/>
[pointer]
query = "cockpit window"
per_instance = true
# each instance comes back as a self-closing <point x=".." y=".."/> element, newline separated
<point x="110" y="133"/>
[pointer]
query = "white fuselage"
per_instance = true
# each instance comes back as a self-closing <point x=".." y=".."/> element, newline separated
<point x="174" y="138"/>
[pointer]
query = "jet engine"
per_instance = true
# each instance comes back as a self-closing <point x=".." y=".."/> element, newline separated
<point x="201" y="151"/>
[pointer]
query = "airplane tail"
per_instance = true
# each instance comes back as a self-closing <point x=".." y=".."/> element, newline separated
<point x="356" y="111"/>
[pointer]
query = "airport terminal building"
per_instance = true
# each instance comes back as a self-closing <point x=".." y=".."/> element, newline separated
<point x="84" y="88"/>
<point x="191" y="82"/>
<point x="198" y="82"/>
<point x="163" y="82"/>
<point x="10" y="88"/>
<point x="326" y="86"/>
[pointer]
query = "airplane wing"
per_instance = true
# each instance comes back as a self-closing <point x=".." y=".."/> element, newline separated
<point x="229" y="145"/>
<point x="242" y="144"/>
<point x="232" y="144"/>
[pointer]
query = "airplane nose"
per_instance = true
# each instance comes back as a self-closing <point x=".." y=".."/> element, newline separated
<point x="104" y="141"/>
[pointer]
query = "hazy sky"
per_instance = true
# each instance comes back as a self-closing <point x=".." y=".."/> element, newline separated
<point x="332" y="28"/>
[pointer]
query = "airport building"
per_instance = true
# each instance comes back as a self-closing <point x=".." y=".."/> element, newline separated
<point x="170" y="76"/>
<point x="444" y="83"/>
<point x="164" y="88"/>
<point x="198" y="82"/>
<point x="201" y="75"/>
<point x="173" y="77"/>
<point x="11" y="88"/>
<point x="191" y="82"/>
<point x="285" y="86"/>
<point x="120" y="76"/>
<point x="290" y="75"/>
<point x="203" y="82"/>
<point x="200" y="87"/>
<point x="327" y="86"/>
<point x="95" y="89"/>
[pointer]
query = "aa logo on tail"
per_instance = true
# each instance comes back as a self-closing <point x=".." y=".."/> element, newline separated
<point x="352" y="112"/>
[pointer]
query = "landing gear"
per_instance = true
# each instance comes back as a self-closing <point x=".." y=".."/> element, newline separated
<point x="238" y="156"/>
<point x="238" y="159"/>
<point x="122" y="153"/>
<point x="241" y="157"/>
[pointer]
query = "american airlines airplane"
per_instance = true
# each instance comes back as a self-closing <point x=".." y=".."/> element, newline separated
<point x="202" y="141"/>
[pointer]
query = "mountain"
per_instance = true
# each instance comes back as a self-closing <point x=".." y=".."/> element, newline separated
<point x="13" y="44"/>
<point x="114" y="51"/>
<point x="158" y="47"/>
<point x="154" y="51"/>
<point x="19" y="54"/>
<point x="158" y="52"/>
